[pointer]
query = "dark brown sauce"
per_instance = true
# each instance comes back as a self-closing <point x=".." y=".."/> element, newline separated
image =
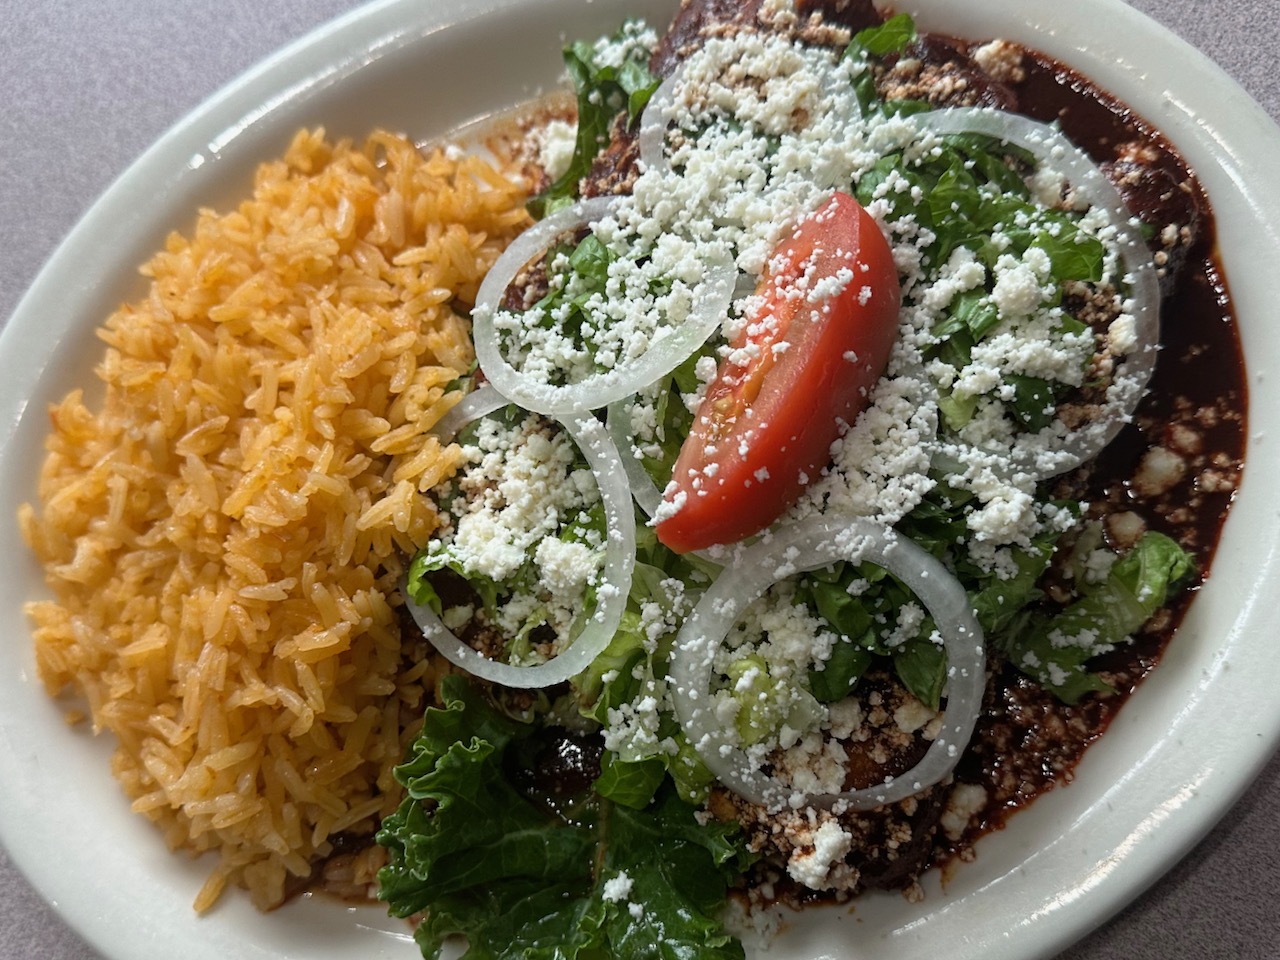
<point x="1093" y="119"/>
<point x="556" y="771"/>
<point x="1027" y="740"/>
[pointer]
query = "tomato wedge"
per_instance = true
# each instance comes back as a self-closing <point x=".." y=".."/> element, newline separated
<point x="796" y="377"/>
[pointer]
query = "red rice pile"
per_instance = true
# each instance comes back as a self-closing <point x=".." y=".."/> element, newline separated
<point x="224" y="536"/>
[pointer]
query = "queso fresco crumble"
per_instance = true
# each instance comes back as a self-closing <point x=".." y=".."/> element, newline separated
<point x="837" y="698"/>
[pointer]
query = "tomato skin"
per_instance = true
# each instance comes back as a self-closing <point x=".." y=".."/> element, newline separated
<point x="765" y="427"/>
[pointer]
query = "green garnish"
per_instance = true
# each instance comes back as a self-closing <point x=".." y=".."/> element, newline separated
<point x="479" y="857"/>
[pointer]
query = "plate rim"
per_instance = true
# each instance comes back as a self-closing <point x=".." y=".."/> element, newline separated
<point x="383" y="19"/>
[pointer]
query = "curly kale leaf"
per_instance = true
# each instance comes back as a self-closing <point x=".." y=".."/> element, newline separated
<point x="479" y="858"/>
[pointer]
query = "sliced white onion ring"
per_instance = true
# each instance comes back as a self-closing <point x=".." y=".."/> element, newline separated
<point x="646" y="492"/>
<point x="667" y="351"/>
<point x="615" y="578"/>
<point x="654" y="120"/>
<point x="480" y="402"/>
<point x="1131" y="377"/>
<point x="809" y="545"/>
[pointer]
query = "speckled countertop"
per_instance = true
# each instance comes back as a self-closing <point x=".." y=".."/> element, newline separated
<point x="88" y="85"/>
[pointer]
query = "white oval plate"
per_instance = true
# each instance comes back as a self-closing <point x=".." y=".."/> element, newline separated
<point x="1185" y="747"/>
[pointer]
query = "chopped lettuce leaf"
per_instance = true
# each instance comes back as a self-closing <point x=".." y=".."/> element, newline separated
<point x="998" y="603"/>
<point x="1034" y="400"/>
<point x="603" y="92"/>
<point x="862" y="603"/>
<point x="480" y="859"/>
<point x="874" y="43"/>
<point x="610" y="679"/>
<point x="1054" y="650"/>
<point x="972" y="310"/>
<point x="766" y="702"/>
<point x="893" y="36"/>
<point x="1074" y="254"/>
<point x="630" y="783"/>
<point x="440" y="558"/>
<point x="633" y="662"/>
<point x="839" y="675"/>
<point x="922" y="666"/>
<point x="691" y="776"/>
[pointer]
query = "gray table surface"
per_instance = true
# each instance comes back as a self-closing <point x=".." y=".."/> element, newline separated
<point x="88" y="85"/>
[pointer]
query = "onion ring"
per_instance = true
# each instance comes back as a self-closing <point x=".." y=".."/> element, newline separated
<point x="480" y="402"/>
<point x="1131" y="377"/>
<point x="614" y="582"/>
<point x="814" y="543"/>
<point x="654" y="120"/>
<point x="645" y="491"/>
<point x="666" y="352"/>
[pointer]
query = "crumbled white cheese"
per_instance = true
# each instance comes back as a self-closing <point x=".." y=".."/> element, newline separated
<point x="518" y="489"/>
<point x="1122" y="335"/>
<point x="1159" y="471"/>
<point x="565" y="567"/>
<point x="635" y="41"/>
<point x="762" y="129"/>
<point x="1098" y="564"/>
<point x="1000" y="60"/>
<point x="831" y="843"/>
<point x="962" y="272"/>
<point x="555" y="141"/>
<point x="1019" y="287"/>
<point x="911" y="715"/>
<point x="966" y="801"/>
<point x="617" y="888"/>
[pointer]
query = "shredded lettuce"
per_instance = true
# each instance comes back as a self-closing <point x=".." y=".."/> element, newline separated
<point x="893" y="36"/>
<point x="766" y="701"/>
<point x="480" y="858"/>
<point x="1056" y="649"/>
<point x="972" y="187"/>
<point x="603" y="92"/>
<point x="673" y="416"/>
<point x="630" y="667"/>
<point x="862" y="602"/>
<point x="967" y="192"/>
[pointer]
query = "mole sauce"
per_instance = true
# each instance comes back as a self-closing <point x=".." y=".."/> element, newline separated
<point x="1027" y="740"/>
